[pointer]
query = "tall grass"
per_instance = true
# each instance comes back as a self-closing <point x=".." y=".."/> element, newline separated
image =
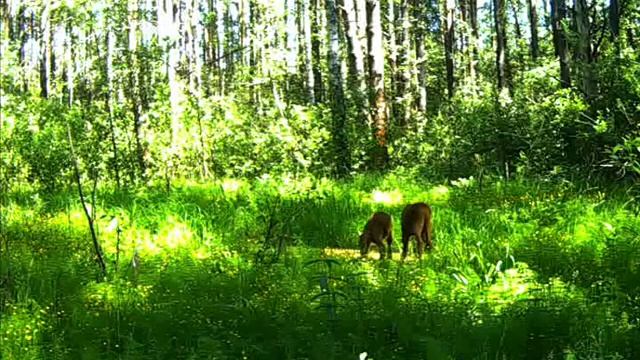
<point x="269" y="269"/>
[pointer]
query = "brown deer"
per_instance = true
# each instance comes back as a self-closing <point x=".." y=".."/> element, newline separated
<point x="378" y="229"/>
<point x="416" y="221"/>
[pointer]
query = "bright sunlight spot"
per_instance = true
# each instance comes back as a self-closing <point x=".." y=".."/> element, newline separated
<point x="393" y="197"/>
<point x="201" y="253"/>
<point x="439" y="193"/>
<point x="119" y="295"/>
<point x="231" y="185"/>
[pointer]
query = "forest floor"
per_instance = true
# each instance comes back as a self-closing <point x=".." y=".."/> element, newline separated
<point x="270" y="269"/>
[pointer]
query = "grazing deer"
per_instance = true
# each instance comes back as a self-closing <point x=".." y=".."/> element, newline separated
<point x="377" y="230"/>
<point x="416" y="221"/>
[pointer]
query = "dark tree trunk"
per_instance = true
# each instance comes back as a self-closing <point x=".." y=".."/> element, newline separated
<point x="45" y="52"/>
<point x="473" y="41"/>
<point x="614" y="17"/>
<point x="558" y="14"/>
<point x="584" y="53"/>
<point x="449" y="33"/>
<point x="533" y="25"/>
<point x="500" y="21"/>
<point x="338" y="108"/>
<point x="315" y="50"/>
<point x="393" y="54"/>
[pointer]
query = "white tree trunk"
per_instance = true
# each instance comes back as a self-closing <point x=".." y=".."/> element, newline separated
<point x="376" y="60"/>
<point x="337" y="91"/>
<point x="308" y="54"/>
<point x="292" y="38"/>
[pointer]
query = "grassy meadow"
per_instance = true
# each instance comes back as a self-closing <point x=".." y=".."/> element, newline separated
<point x="270" y="269"/>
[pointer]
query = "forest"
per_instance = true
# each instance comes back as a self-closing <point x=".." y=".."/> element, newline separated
<point x="202" y="179"/>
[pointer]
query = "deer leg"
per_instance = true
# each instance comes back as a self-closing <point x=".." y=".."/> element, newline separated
<point x="405" y="246"/>
<point x="419" y="245"/>
<point x="428" y="236"/>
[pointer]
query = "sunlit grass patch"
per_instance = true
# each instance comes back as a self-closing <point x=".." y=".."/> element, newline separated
<point x="439" y="193"/>
<point x="173" y="234"/>
<point x="512" y="285"/>
<point x="116" y="295"/>
<point x="201" y="253"/>
<point x="373" y="253"/>
<point x="15" y="213"/>
<point x="170" y="238"/>
<point x="232" y="186"/>
<point x="341" y="253"/>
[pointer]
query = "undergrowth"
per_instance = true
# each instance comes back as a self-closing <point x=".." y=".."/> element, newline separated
<point x="269" y="269"/>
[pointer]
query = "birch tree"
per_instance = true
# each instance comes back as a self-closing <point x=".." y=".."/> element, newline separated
<point x="338" y="108"/>
<point x="380" y="117"/>
<point x="449" y="41"/>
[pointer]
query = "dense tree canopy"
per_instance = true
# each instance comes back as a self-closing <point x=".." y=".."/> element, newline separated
<point x="158" y="89"/>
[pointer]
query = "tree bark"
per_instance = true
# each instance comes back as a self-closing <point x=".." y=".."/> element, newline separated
<point x="45" y="51"/>
<point x="403" y="74"/>
<point x="533" y="25"/>
<point x="449" y="41"/>
<point x="221" y="59"/>
<point x="614" y="17"/>
<point x="338" y="108"/>
<point x="24" y="37"/>
<point x="234" y="38"/>
<point x="308" y="51"/>
<point x="361" y="21"/>
<point x="6" y="20"/>
<point x="69" y="64"/>
<point x="393" y="54"/>
<point x="584" y="53"/>
<point x="110" y="45"/>
<point x="246" y="32"/>
<point x="292" y="38"/>
<point x="315" y="50"/>
<point x="547" y="16"/>
<point x="356" y="63"/>
<point x="419" y="35"/>
<point x="500" y="20"/>
<point x="376" y="60"/>
<point x="473" y="39"/>
<point x="173" y="58"/>
<point x="356" y="78"/>
<point x="134" y="89"/>
<point x="558" y="14"/>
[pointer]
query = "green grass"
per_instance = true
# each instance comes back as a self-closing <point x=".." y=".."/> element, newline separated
<point x="519" y="271"/>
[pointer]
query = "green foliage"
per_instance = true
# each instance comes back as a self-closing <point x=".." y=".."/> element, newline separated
<point x="530" y="270"/>
<point x="260" y="258"/>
